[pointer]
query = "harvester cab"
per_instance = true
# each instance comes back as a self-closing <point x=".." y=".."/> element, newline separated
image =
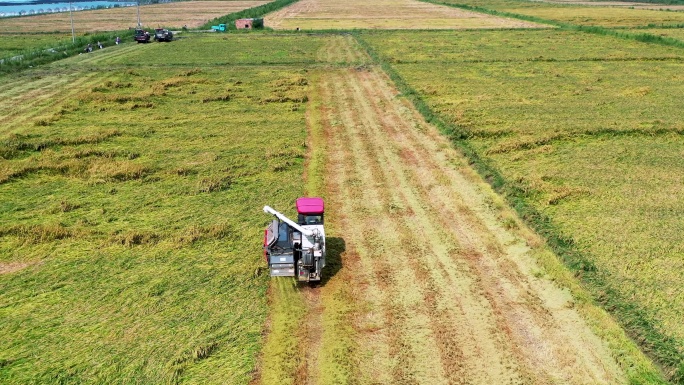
<point x="296" y="249"/>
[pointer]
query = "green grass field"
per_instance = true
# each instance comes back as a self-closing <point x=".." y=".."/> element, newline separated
<point x="131" y="201"/>
<point x="594" y="144"/>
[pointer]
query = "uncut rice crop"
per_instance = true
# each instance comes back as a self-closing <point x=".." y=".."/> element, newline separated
<point x="130" y="217"/>
<point x="510" y="46"/>
<point x="577" y="14"/>
<point x="603" y="16"/>
<point x="224" y="49"/>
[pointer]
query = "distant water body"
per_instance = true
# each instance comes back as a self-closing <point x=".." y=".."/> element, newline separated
<point x="26" y="8"/>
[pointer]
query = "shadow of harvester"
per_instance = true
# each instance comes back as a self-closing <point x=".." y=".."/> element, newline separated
<point x="334" y="247"/>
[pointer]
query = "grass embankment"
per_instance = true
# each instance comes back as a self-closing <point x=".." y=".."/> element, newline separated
<point x="12" y="44"/>
<point x="675" y="35"/>
<point x="131" y="219"/>
<point x="33" y="55"/>
<point x="586" y="150"/>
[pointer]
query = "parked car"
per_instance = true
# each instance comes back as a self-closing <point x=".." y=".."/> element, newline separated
<point x="161" y="34"/>
<point x="141" y="36"/>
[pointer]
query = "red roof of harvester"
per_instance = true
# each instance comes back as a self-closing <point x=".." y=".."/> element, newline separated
<point x="310" y="206"/>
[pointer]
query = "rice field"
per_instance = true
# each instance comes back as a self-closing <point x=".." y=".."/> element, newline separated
<point x="223" y="49"/>
<point x="593" y="144"/>
<point x="622" y="4"/>
<point x="604" y="17"/>
<point x="171" y="15"/>
<point x="382" y="14"/>
<point x="129" y="207"/>
<point x="579" y="14"/>
<point x="512" y="46"/>
<point x="132" y="181"/>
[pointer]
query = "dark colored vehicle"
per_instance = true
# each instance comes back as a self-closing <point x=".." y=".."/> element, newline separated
<point x="142" y="36"/>
<point x="161" y="34"/>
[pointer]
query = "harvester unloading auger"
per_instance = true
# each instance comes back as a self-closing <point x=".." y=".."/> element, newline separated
<point x="296" y="249"/>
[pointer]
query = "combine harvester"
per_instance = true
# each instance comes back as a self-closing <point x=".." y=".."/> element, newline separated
<point x="296" y="249"/>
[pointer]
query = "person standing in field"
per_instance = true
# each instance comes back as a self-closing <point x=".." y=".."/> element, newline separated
<point x="117" y="40"/>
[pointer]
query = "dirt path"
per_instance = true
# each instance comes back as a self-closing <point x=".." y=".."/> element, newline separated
<point x="432" y="289"/>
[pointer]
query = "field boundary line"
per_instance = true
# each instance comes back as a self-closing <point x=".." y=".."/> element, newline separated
<point x="661" y="348"/>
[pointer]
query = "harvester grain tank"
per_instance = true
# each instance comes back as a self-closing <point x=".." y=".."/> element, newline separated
<point x="296" y="249"/>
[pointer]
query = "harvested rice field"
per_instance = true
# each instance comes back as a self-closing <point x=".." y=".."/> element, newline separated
<point x="604" y="17"/>
<point x="622" y="4"/>
<point x="169" y="15"/>
<point x="382" y="14"/>
<point x="584" y="14"/>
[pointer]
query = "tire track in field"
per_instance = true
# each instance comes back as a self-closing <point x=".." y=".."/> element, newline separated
<point x="457" y="347"/>
<point x="342" y="49"/>
<point x="107" y="55"/>
<point x="446" y="292"/>
<point x="24" y="101"/>
<point x="393" y="281"/>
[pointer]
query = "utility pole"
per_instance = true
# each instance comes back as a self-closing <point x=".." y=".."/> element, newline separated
<point x="71" y="15"/>
<point x="139" y="25"/>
